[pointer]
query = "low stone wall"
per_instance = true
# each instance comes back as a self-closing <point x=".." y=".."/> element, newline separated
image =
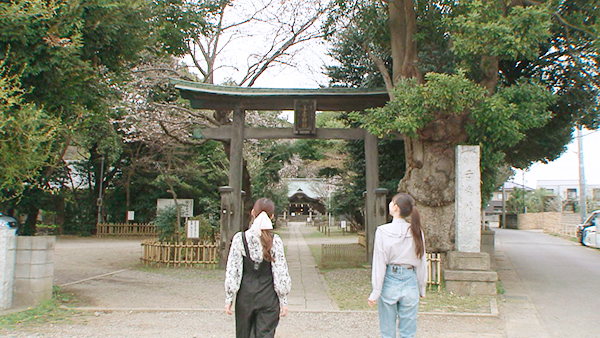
<point x="539" y="220"/>
<point x="488" y="242"/>
<point x="34" y="270"/>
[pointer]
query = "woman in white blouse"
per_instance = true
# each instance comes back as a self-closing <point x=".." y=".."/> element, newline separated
<point x="257" y="273"/>
<point x="399" y="269"/>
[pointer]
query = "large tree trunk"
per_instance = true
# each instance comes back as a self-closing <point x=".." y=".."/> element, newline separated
<point x="59" y="202"/>
<point x="403" y="25"/>
<point x="429" y="179"/>
<point x="430" y="160"/>
<point x="30" y="226"/>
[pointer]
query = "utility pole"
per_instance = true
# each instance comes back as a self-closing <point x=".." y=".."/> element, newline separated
<point x="99" y="201"/>
<point x="524" y="205"/>
<point x="503" y="206"/>
<point x="582" y="197"/>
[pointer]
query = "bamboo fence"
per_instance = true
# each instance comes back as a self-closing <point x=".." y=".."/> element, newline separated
<point x="341" y="253"/>
<point x="179" y="253"/>
<point x="362" y="239"/>
<point x="126" y="229"/>
<point x="434" y="269"/>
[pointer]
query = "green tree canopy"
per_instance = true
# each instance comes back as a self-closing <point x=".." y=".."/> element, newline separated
<point x="514" y="78"/>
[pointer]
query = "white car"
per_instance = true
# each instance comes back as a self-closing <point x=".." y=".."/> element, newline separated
<point x="8" y="222"/>
<point x="587" y="233"/>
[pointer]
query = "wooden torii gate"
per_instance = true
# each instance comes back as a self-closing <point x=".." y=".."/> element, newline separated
<point x="304" y="103"/>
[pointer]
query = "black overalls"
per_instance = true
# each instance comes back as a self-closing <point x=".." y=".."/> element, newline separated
<point x="257" y="304"/>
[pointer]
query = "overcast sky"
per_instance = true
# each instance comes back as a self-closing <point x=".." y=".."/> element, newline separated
<point x="567" y="166"/>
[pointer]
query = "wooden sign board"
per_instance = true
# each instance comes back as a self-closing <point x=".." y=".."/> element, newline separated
<point x="304" y="117"/>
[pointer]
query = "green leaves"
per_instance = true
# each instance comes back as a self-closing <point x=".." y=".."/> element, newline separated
<point x="501" y="119"/>
<point x="496" y="123"/>
<point x="504" y="118"/>
<point x="488" y="29"/>
<point x="415" y="106"/>
<point x="25" y="136"/>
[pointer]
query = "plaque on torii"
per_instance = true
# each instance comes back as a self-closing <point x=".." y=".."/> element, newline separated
<point x="304" y="117"/>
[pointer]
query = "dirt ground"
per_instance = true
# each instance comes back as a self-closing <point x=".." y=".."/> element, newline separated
<point x="132" y="285"/>
<point x="183" y="302"/>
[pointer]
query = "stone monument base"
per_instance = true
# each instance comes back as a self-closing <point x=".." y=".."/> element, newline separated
<point x="469" y="273"/>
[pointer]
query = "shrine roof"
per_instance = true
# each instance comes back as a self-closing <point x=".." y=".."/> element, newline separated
<point x="207" y="96"/>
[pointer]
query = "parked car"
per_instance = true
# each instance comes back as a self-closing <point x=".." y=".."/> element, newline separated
<point x="587" y="232"/>
<point x="7" y="221"/>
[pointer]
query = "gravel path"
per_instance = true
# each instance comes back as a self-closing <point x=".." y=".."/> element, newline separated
<point x="218" y="324"/>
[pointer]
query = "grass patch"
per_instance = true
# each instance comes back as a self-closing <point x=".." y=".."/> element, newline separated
<point x="442" y="301"/>
<point x="500" y="288"/>
<point x="351" y="287"/>
<point x="313" y="232"/>
<point x="315" y="250"/>
<point x="47" y="312"/>
<point x="353" y="262"/>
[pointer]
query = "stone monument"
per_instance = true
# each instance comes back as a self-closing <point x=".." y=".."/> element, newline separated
<point x="467" y="270"/>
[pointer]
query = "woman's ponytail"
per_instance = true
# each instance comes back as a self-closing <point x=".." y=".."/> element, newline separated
<point x="415" y="225"/>
<point x="266" y="239"/>
<point x="407" y="207"/>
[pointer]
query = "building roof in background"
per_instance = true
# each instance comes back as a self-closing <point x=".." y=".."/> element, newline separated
<point x="510" y="185"/>
<point x="312" y="187"/>
<point x="555" y="183"/>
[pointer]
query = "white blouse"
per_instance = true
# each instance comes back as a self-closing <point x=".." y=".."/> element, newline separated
<point x="235" y="263"/>
<point x="394" y="244"/>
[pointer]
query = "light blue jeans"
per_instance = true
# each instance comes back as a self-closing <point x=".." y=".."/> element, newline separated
<point x="399" y="301"/>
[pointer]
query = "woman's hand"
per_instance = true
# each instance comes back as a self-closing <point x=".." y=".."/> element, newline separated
<point x="372" y="303"/>
<point x="228" y="309"/>
<point x="284" y="311"/>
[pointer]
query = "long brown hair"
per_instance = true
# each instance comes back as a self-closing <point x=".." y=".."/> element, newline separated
<point x="408" y="208"/>
<point x="266" y="238"/>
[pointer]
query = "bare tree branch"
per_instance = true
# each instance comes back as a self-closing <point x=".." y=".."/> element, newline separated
<point x="290" y="42"/>
<point x="188" y="111"/>
<point x="389" y="84"/>
<point x="192" y="53"/>
<point x="161" y="70"/>
<point x="171" y="135"/>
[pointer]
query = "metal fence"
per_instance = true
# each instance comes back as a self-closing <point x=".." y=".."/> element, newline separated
<point x="566" y="230"/>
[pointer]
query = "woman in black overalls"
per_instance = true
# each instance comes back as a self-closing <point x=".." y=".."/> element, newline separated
<point x="257" y="273"/>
